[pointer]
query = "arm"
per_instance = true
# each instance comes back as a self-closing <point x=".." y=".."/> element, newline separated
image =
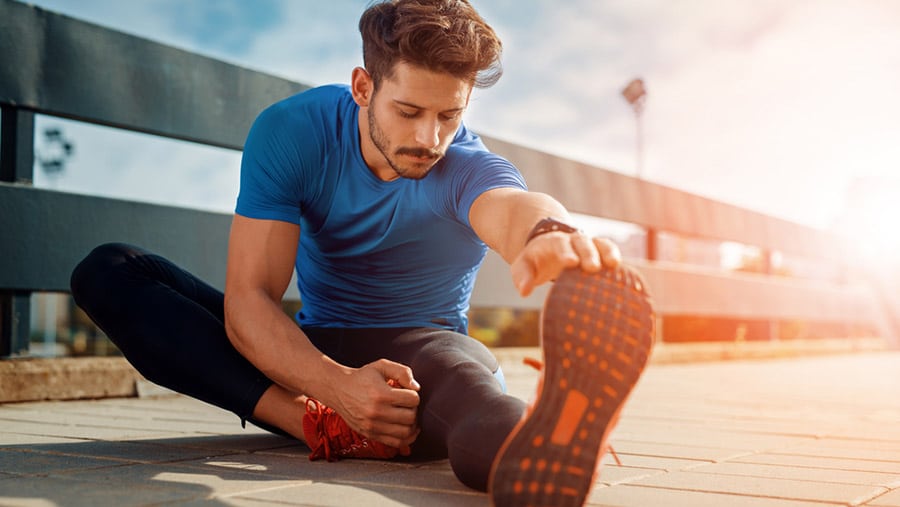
<point x="503" y="218"/>
<point x="260" y="261"/>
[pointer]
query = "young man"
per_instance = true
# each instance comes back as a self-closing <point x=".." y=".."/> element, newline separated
<point x="385" y="204"/>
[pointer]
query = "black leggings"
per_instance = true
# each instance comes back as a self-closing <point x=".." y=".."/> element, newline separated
<point x="170" y="326"/>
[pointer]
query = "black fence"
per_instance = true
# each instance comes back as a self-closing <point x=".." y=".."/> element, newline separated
<point x="58" y="66"/>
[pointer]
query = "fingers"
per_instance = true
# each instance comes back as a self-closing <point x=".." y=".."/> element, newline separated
<point x="380" y="401"/>
<point x="543" y="258"/>
<point x="546" y="256"/>
<point x="523" y="275"/>
<point x="610" y="255"/>
<point x="395" y="436"/>
<point x="399" y="374"/>
<point x="397" y="429"/>
<point x="587" y="252"/>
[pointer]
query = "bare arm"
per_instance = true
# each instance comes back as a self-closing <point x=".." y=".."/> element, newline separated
<point x="260" y="261"/>
<point x="503" y="217"/>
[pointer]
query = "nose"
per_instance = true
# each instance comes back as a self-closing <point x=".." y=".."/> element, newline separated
<point x="428" y="133"/>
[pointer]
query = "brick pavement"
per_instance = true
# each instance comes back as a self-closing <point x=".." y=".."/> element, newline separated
<point x="781" y="432"/>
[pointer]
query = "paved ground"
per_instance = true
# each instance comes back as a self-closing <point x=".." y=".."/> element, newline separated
<point x="787" y="432"/>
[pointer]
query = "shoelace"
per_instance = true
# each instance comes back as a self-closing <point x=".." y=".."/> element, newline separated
<point x="539" y="365"/>
<point x="316" y="412"/>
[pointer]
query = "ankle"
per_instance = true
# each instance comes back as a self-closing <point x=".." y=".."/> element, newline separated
<point x="283" y="409"/>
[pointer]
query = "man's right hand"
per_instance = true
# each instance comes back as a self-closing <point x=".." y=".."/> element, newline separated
<point x="380" y="401"/>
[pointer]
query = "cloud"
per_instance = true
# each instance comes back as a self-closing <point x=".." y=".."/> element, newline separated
<point x="771" y="105"/>
<point x="228" y="26"/>
<point x="768" y="104"/>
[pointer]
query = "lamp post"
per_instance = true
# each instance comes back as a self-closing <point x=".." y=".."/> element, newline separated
<point x="636" y="94"/>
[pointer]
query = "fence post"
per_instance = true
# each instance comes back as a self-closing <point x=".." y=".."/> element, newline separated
<point x="16" y="166"/>
<point x="652" y="244"/>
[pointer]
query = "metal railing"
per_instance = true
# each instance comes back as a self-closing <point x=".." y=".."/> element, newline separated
<point x="59" y="66"/>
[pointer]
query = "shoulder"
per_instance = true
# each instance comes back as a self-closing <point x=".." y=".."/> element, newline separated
<point x="321" y="105"/>
<point x="305" y="124"/>
<point x="468" y="153"/>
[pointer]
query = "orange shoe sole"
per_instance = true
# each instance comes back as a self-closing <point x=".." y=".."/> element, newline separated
<point x="597" y="333"/>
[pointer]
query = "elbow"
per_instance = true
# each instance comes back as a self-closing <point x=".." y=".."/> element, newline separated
<point x="230" y="318"/>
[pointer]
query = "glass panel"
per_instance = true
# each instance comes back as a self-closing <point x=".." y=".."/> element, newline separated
<point x="631" y="238"/>
<point x="87" y="159"/>
<point x="61" y="329"/>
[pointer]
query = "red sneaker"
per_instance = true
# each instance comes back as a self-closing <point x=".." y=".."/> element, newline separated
<point x="596" y="335"/>
<point x="329" y="437"/>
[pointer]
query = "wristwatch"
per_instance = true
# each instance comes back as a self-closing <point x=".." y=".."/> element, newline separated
<point x="549" y="225"/>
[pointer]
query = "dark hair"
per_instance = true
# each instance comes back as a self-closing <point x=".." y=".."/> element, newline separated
<point x="439" y="35"/>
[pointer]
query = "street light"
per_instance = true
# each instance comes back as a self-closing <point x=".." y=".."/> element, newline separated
<point x="636" y="94"/>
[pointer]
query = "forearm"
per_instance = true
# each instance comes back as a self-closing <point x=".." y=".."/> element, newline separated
<point x="508" y="225"/>
<point x="271" y="341"/>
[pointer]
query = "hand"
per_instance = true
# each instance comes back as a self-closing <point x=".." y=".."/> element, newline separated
<point x="379" y="401"/>
<point x="547" y="255"/>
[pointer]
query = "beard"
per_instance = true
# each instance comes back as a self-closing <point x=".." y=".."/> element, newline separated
<point x="412" y="170"/>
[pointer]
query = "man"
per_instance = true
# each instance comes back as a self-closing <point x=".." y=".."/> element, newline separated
<point x="385" y="204"/>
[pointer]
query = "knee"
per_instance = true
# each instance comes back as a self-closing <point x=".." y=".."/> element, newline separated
<point x="89" y="274"/>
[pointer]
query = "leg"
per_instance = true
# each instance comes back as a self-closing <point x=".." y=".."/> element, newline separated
<point x="168" y="324"/>
<point x="596" y="335"/>
<point x="463" y="411"/>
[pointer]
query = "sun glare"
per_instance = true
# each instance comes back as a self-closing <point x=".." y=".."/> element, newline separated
<point x="870" y="224"/>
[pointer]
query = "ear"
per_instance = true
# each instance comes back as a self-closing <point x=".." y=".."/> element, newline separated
<point x="362" y="87"/>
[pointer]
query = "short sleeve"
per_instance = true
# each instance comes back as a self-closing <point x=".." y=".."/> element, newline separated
<point x="473" y="170"/>
<point x="272" y="168"/>
<point x="486" y="171"/>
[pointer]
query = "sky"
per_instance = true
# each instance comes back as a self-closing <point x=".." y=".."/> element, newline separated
<point x="775" y="105"/>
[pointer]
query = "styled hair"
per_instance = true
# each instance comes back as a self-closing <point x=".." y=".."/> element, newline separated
<point x="446" y="36"/>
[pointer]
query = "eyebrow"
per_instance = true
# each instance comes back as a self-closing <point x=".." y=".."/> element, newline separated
<point x="407" y="104"/>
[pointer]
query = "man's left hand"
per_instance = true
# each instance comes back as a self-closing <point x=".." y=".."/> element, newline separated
<point x="547" y="255"/>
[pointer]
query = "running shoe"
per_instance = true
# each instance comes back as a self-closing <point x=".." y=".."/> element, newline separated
<point x="596" y="336"/>
<point x="328" y="436"/>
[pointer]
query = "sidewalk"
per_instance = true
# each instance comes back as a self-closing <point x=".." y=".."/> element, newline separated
<point x="787" y="432"/>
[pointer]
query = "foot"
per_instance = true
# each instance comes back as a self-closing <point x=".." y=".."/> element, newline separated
<point x="597" y="332"/>
<point x="328" y="436"/>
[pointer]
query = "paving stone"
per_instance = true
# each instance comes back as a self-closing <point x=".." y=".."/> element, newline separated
<point x="331" y="495"/>
<point x="657" y="462"/>
<point x="26" y="462"/>
<point x="102" y="420"/>
<point x="627" y="495"/>
<point x="49" y="429"/>
<point x="817" y="462"/>
<point x="766" y="487"/>
<point x="791" y="428"/>
<point x="888" y="433"/>
<point x="236" y="442"/>
<point x="824" y="450"/>
<point x="707" y="437"/>
<point x="56" y="491"/>
<point x="433" y="477"/>
<point x="207" y="482"/>
<point x="231" y="501"/>
<point x="665" y="450"/>
<point x="300" y="467"/>
<point x="890" y="499"/>
<point x="20" y="439"/>
<point x="614" y="474"/>
<point x="742" y="430"/>
<point x="799" y="473"/>
<point x="126" y="451"/>
<point x="850" y="443"/>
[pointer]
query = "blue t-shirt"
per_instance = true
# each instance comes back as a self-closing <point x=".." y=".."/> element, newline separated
<point x="372" y="253"/>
